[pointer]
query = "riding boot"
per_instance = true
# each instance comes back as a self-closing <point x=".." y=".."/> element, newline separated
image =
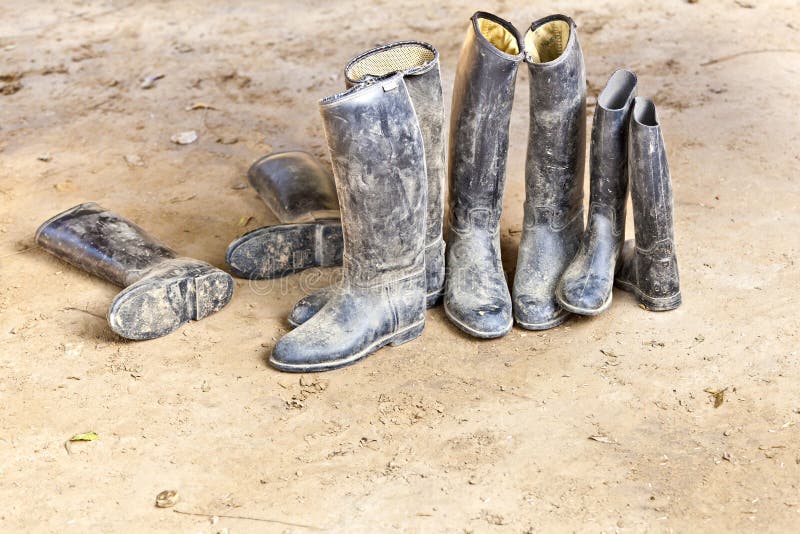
<point x="162" y="290"/>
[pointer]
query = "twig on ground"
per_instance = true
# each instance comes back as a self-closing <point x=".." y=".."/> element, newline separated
<point x="748" y="53"/>
<point x="264" y="520"/>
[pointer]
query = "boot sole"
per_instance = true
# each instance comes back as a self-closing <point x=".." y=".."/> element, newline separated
<point x="160" y="306"/>
<point x="397" y="338"/>
<point x="431" y="300"/>
<point x="542" y="326"/>
<point x="650" y="303"/>
<point x="276" y="251"/>
<point x="477" y="333"/>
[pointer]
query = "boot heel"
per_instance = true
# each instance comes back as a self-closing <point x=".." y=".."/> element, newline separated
<point x="407" y="335"/>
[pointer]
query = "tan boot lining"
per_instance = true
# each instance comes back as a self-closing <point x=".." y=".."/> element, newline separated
<point x="500" y="37"/>
<point x="547" y="42"/>
<point x="395" y="59"/>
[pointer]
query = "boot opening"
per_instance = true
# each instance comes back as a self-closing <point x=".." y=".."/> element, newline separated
<point x="498" y="35"/>
<point x="617" y="90"/>
<point x="406" y="57"/>
<point x="644" y="112"/>
<point x="548" y="41"/>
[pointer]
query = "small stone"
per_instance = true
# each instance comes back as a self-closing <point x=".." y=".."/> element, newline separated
<point x="184" y="138"/>
<point x="167" y="499"/>
<point x="134" y="160"/>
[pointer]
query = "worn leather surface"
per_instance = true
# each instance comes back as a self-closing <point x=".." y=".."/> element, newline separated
<point x="587" y="283"/>
<point x="650" y="265"/>
<point x="379" y="168"/>
<point x="162" y="290"/>
<point x="553" y="214"/>
<point x="424" y="85"/>
<point x="476" y="298"/>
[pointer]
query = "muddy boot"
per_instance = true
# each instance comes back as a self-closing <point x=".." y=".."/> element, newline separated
<point x="301" y="194"/>
<point x="476" y="296"/>
<point x="379" y="168"/>
<point x="553" y="219"/>
<point x="586" y="285"/>
<point x="419" y="64"/>
<point x="162" y="290"/>
<point x="649" y="267"/>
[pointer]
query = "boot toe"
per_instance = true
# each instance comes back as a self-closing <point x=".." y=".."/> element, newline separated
<point x="583" y="298"/>
<point x="490" y="319"/>
<point x="308" y="306"/>
<point x="534" y="313"/>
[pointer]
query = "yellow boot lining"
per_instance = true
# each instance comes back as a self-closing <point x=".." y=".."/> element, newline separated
<point x="499" y="36"/>
<point x="395" y="59"/>
<point x="547" y="42"/>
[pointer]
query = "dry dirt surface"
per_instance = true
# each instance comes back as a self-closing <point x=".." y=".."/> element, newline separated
<point x="631" y="421"/>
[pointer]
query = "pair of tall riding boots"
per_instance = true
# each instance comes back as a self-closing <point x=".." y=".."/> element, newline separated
<point x="385" y="135"/>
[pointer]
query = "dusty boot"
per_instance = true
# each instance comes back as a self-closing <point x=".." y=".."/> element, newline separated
<point x="162" y="290"/>
<point x="553" y="220"/>
<point x="301" y="194"/>
<point x="419" y="64"/>
<point x="586" y="285"/>
<point x="476" y="296"/>
<point x="649" y="266"/>
<point x="379" y="167"/>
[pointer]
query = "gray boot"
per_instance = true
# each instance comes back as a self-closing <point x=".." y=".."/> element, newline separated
<point x="476" y="296"/>
<point x="379" y="168"/>
<point x="302" y="195"/>
<point x="162" y="290"/>
<point x="586" y="285"/>
<point x="419" y="64"/>
<point x="649" y="267"/>
<point x="553" y="220"/>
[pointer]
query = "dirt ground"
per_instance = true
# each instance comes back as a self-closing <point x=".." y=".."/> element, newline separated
<point x="447" y="433"/>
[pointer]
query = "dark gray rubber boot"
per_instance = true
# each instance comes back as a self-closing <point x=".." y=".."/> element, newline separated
<point x="476" y="296"/>
<point x="300" y="191"/>
<point x="419" y="64"/>
<point x="553" y="220"/>
<point x="379" y="167"/>
<point x="162" y="290"/>
<point x="649" y="267"/>
<point x="585" y="287"/>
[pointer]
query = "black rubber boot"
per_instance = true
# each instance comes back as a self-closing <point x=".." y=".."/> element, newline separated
<point x="553" y="220"/>
<point x="649" y="267"/>
<point x="301" y="193"/>
<point x="585" y="287"/>
<point x="162" y="290"/>
<point x="419" y="64"/>
<point x="476" y="296"/>
<point x="379" y="167"/>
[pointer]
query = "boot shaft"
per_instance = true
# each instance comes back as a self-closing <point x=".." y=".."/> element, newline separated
<point x="481" y="110"/>
<point x="102" y="243"/>
<point x="556" y="142"/>
<point x="295" y="186"/>
<point x="418" y="62"/>
<point x="651" y="186"/>
<point x="608" y="154"/>
<point x="379" y="169"/>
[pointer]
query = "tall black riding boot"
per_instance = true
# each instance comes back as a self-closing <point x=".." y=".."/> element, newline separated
<point x="476" y="296"/>
<point x="419" y="64"/>
<point x="585" y="287"/>
<point x="162" y="290"/>
<point x="379" y="167"/>
<point x="649" y="265"/>
<point x="553" y="220"/>
<point x="302" y="195"/>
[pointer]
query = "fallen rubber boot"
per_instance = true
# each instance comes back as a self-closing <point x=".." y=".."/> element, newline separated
<point x="649" y="267"/>
<point x="379" y="167"/>
<point x="585" y="287"/>
<point x="553" y="210"/>
<point x="301" y="193"/>
<point x="419" y="64"/>
<point x="476" y="296"/>
<point x="162" y="290"/>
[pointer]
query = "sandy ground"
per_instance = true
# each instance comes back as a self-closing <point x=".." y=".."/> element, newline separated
<point x="447" y="432"/>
